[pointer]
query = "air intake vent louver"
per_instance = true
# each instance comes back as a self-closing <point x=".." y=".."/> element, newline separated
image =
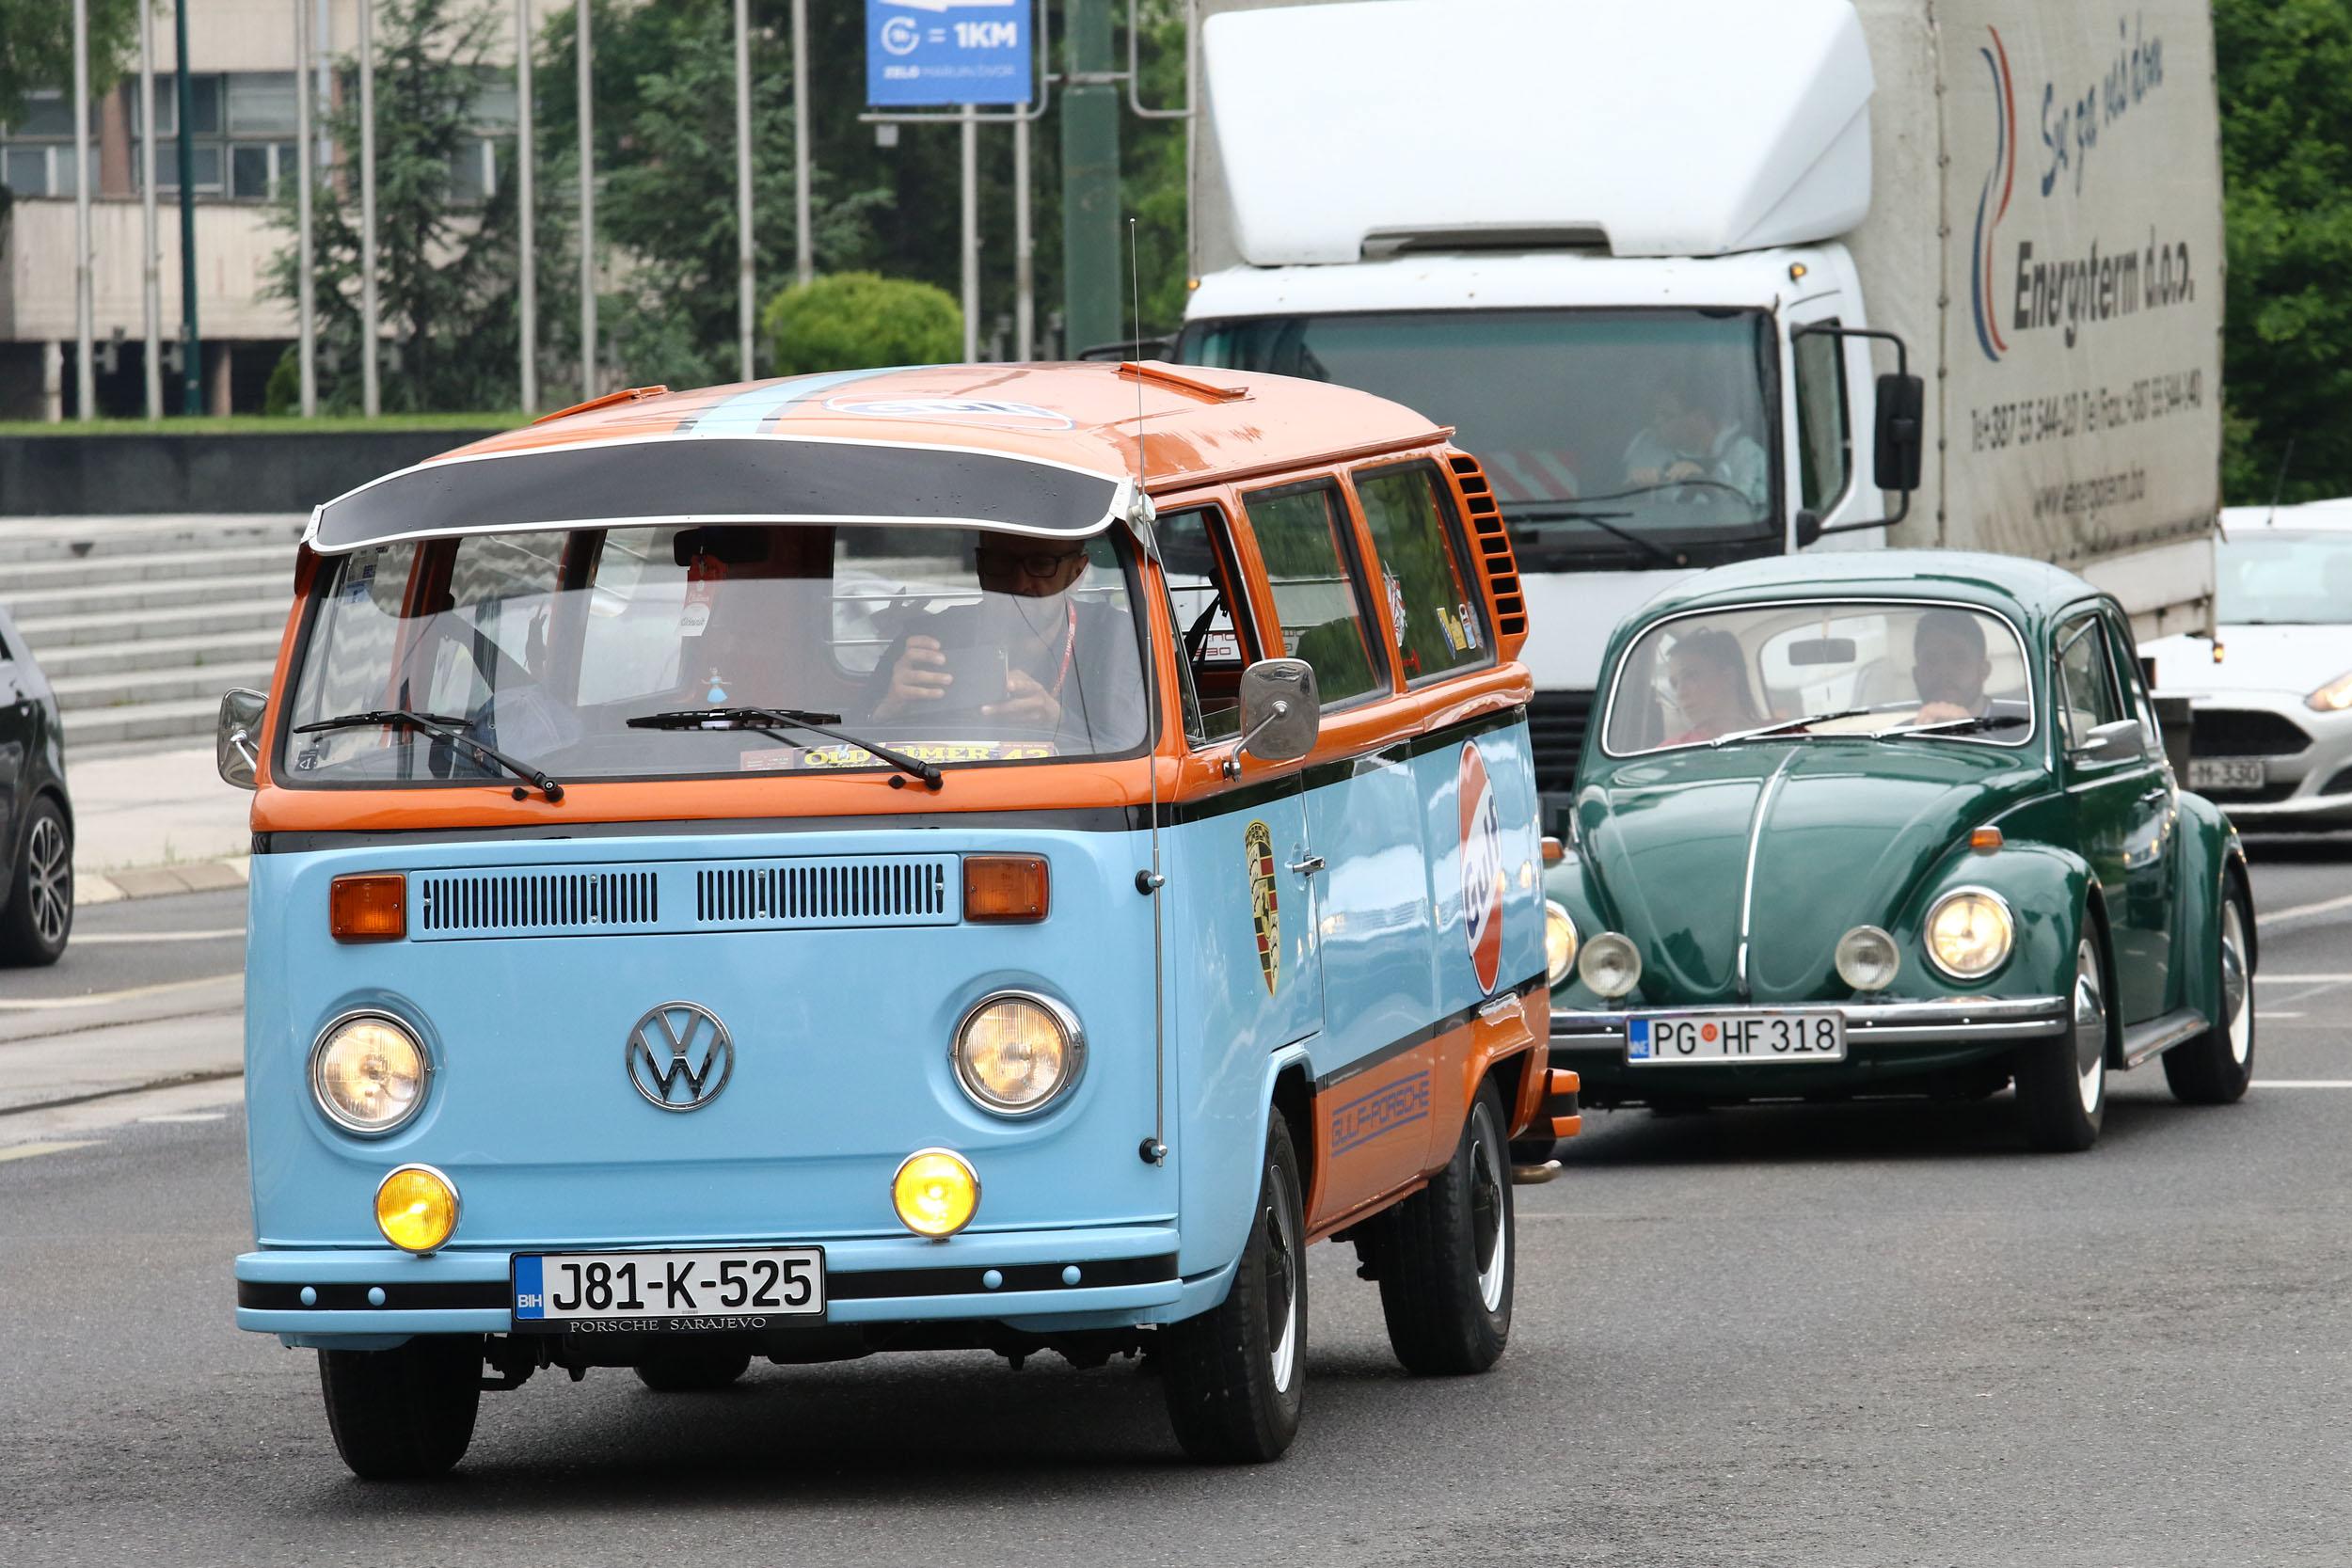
<point x="811" y="893"/>
<point x="912" y="890"/>
<point x="537" y="903"/>
<point x="1492" y="542"/>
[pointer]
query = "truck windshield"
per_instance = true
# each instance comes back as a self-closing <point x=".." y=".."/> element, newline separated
<point x="948" y="645"/>
<point x="1612" y="438"/>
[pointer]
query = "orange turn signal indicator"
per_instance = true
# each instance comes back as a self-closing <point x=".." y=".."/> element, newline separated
<point x="1005" y="889"/>
<point x="1985" y="840"/>
<point x="1554" y="852"/>
<point x="369" y="907"/>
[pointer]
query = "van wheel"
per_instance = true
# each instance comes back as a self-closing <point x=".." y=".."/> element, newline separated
<point x="1447" y="1254"/>
<point x="39" y="915"/>
<point x="404" y="1413"/>
<point x="1234" y="1376"/>
<point x="2216" y="1067"/>
<point x="695" y="1368"/>
<point x="2062" y="1083"/>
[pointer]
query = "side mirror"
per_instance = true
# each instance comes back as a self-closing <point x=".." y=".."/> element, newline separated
<point x="237" y="738"/>
<point x="1280" y="711"/>
<point x="1808" y="528"/>
<point x="2121" y="742"/>
<point x="1902" y="401"/>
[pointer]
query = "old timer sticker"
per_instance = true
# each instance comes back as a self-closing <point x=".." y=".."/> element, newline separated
<point x="1482" y="869"/>
<point x="1266" y="913"/>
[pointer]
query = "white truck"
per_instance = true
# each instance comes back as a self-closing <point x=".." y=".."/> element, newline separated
<point x="1631" y="248"/>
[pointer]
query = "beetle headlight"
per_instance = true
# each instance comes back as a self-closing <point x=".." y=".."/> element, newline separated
<point x="1867" y="958"/>
<point x="368" y="1073"/>
<point x="1969" y="933"/>
<point x="1611" y="964"/>
<point x="1559" y="942"/>
<point x="1015" y="1051"/>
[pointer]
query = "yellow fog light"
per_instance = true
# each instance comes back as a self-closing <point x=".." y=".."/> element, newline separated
<point x="936" y="1192"/>
<point x="416" y="1208"/>
<point x="1559" y="942"/>
<point x="1969" y="933"/>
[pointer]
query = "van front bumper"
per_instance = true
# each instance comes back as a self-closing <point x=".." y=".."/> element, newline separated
<point x="1123" y="1274"/>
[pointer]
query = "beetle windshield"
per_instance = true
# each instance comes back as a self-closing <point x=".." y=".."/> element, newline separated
<point x="1941" y="672"/>
<point x="949" y="646"/>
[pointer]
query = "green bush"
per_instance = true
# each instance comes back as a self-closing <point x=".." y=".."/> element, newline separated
<point x="854" y="320"/>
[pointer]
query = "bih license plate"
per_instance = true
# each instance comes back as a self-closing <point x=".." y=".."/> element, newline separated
<point x="667" y="1292"/>
<point x="2227" y="773"/>
<point x="1741" y="1037"/>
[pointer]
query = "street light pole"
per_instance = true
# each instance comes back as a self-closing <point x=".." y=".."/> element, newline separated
<point x="84" y="360"/>
<point x="527" y="301"/>
<point x="970" y="233"/>
<point x="1023" y="248"/>
<point x="587" y="211"/>
<point x="746" y="262"/>
<point x="370" y="389"/>
<point x="152" y="265"/>
<point x="191" y="343"/>
<point x="803" y="243"/>
<point x="306" y="301"/>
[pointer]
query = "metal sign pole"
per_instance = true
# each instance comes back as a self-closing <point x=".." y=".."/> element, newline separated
<point x="803" y="243"/>
<point x="587" y="209"/>
<point x="746" y="264"/>
<point x="152" y="265"/>
<point x="970" y="234"/>
<point x="85" y="360"/>
<point x="1024" y="249"/>
<point x="306" y="301"/>
<point x="191" y="343"/>
<point x="370" y="389"/>
<point x="527" y="209"/>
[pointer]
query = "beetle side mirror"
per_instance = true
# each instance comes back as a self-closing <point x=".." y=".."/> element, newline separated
<point x="1902" y="401"/>
<point x="2121" y="742"/>
<point x="236" y="740"/>
<point x="1281" y="712"/>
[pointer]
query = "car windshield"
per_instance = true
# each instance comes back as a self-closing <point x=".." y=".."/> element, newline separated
<point x="948" y="646"/>
<point x="1612" y="438"/>
<point x="1925" y="672"/>
<point x="2278" y="578"/>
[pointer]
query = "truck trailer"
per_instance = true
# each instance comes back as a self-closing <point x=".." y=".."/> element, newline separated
<point x="1701" y="280"/>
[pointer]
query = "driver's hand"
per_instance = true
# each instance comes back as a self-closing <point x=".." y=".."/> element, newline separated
<point x="1941" y="713"/>
<point x="1026" y="702"/>
<point x="1684" y="469"/>
<point x="1641" y="476"/>
<point x="919" y="677"/>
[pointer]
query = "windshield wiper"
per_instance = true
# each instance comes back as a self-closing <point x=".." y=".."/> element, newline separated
<point x="1787" y="724"/>
<point x="441" y="727"/>
<point x="1537" y="514"/>
<point x="1954" y="726"/>
<point x="769" y="720"/>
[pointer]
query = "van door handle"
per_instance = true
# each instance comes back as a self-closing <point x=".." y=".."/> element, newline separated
<point x="1308" y="866"/>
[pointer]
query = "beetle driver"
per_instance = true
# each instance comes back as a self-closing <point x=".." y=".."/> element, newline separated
<point x="1950" y="667"/>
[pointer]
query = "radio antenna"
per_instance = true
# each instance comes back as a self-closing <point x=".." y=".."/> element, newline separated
<point x="1155" y="1148"/>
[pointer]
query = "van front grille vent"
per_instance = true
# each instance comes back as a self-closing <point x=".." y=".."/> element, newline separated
<point x="537" y="903"/>
<point x="891" y="890"/>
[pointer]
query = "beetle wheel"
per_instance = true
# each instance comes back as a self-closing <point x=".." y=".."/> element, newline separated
<point x="2062" y="1082"/>
<point x="2216" y="1067"/>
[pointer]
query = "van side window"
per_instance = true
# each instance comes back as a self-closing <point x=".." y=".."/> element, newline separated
<point x="1823" y="446"/>
<point x="1440" y="617"/>
<point x="1318" y="595"/>
<point x="2086" y="684"/>
<point x="1209" y="608"/>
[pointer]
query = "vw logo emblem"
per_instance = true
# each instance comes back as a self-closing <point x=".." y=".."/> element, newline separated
<point x="679" y="1055"/>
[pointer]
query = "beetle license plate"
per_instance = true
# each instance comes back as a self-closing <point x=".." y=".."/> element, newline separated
<point x="1742" y="1038"/>
<point x="2227" y="773"/>
<point x="656" y="1292"/>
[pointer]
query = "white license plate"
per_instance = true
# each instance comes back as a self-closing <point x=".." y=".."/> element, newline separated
<point x="1741" y="1037"/>
<point x="2227" y="773"/>
<point x="730" y="1288"/>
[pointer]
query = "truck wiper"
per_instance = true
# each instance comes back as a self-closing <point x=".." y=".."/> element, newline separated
<point x="1561" y="514"/>
<point x="769" y="720"/>
<point x="441" y="727"/>
<point x="1955" y="726"/>
<point x="1786" y="725"/>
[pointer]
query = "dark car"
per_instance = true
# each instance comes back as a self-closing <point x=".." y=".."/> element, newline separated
<point x="35" y="815"/>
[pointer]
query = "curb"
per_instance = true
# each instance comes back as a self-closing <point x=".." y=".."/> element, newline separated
<point x="160" y="882"/>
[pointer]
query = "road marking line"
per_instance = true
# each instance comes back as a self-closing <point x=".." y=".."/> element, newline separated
<point x="2270" y="1013"/>
<point x="187" y="1116"/>
<point x="28" y="1151"/>
<point x="2327" y="906"/>
<point x="99" y="999"/>
<point x="2303" y="1082"/>
<point x="222" y="933"/>
<point x="2301" y="979"/>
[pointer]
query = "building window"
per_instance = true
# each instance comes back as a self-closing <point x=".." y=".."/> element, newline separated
<point x="242" y="127"/>
<point x="37" y="153"/>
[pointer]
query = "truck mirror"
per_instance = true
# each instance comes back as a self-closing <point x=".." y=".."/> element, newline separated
<point x="236" y="741"/>
<point x="1903" y="412"/>
<point x="1280" y="710"/>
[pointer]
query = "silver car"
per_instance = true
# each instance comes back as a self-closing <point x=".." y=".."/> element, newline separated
<point x="2271" y="735"/>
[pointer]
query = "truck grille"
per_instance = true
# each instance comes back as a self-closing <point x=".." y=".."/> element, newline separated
<point x="2224" y="731"/>
<point x="1555" y="722"/>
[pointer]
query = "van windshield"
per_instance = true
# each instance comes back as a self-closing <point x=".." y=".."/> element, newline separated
<point x="1612" y="438"/>
<point x="949" y="646"/>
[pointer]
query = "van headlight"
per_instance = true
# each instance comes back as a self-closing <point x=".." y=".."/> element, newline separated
<point x="1559" y="942"/>
<point x="1016" y="1050"/>
<point x="1970" y="931"/>
<point x="368" y="1073"/>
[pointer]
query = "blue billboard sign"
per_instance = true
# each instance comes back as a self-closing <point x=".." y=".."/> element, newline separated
<point x="925" y="54"/>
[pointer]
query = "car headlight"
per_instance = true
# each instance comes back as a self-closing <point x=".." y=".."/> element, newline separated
<point x="1015" y="1051"/>
<point x="1559" y="942"/>
<point x="368" y="1073"/>
<point x="1867" y="958"/>
<point x="2334" y="697"/>
<point x="1611" y="964"/>
<point x="1969" y="933"/>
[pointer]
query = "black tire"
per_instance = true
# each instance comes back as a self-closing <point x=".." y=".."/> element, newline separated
<point x="1234" y="1375"/>
<point x="2062" y="1082"/>
<point x="2216" y="1067"/>
<point x="1447" y="1258"/>
<point x="689" y="1369"/>
<point x="37" y="917"/>
<point x="404" y="1413"/>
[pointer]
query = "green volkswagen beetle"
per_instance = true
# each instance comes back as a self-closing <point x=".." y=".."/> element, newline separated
<point x="1894" y="822"/>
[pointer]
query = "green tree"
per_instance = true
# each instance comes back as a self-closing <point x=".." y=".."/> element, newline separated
<point x="37" y="53"/>
<point x="859" y="320"/>
<point x="2286" y="150"/>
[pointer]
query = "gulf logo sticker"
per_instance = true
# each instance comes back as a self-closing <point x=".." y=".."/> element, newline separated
<point x="1482" y="868"/>
<point x="1266" y="915"/>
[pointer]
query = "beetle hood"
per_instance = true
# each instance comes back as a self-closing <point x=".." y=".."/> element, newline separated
<point x="1846" y="833"/>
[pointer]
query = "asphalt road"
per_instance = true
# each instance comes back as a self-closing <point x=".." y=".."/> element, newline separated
<point x="1858" y="1335"/>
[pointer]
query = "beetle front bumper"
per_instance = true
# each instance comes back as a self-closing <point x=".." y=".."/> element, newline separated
<point x="1887" y="1043"/>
